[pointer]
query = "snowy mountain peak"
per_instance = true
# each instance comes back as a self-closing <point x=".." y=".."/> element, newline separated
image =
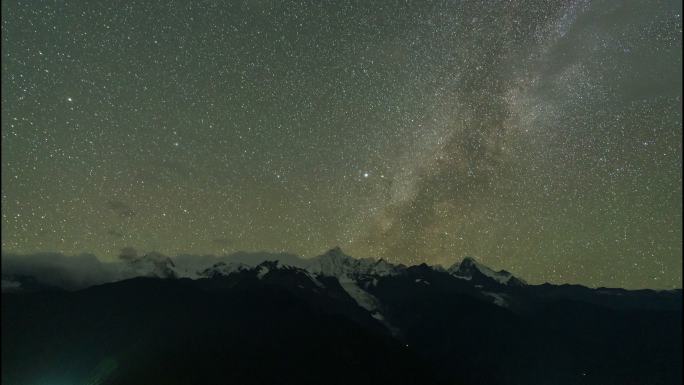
<point x="335" y="263"/>
<point x="223" y="269"/>
<point x="265" y="267"/>
<point x="152" y="265"/>
<point x="382" y="268"/>
<point x="469" y="268"/>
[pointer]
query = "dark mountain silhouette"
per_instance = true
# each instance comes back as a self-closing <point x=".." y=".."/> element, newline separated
<point x="339" y="320"/>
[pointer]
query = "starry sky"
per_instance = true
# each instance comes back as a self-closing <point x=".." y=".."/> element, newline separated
<point x="541" y="137"/>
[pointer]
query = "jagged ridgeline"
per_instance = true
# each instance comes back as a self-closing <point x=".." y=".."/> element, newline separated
<point x="275" y="318"/>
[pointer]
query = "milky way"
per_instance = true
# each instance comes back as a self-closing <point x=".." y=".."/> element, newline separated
<point x="541" y="137"/>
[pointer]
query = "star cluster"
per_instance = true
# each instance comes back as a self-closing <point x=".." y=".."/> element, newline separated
<point x="541" y="137"/>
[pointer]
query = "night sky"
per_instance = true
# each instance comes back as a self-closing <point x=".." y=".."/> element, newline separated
<point x="541" y="137"/>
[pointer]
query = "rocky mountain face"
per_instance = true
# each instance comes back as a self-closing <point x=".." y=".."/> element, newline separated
<point x="337" y="320"/>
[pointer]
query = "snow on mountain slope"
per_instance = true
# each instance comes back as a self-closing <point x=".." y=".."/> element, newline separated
<point x="349" y="271"/>
<point x="151" y="265"/>
<point x="335" y="263"/>
<point x="467" y="268"/>
<point x="262" y="270"/>
<point x="222" y="269"/>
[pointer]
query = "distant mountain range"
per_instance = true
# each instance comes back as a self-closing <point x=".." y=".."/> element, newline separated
<point x="332" y="319"/>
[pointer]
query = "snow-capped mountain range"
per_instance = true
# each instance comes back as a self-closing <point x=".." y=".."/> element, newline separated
<point x="453" y="319"/>
<point x="356" y="276"/>
<point x="335" y="263"/>
<point x="360" y="279"/>
<point x="469" y="268"/>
